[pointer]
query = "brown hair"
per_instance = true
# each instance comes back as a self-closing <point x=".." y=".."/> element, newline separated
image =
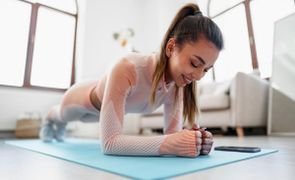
<point x="187" y="26"/>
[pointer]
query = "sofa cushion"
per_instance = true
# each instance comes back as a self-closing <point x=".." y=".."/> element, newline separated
<point x="214" y="101"/>
<point x="214" y="95"/>
<point x="223" y="88"/>
<point x="215" y="88"/>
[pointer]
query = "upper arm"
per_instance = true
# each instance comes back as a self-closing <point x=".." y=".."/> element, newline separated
<point x="118" y="84"/>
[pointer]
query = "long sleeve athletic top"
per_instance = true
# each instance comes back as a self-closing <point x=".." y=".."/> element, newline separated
<point x="127" y="89"/>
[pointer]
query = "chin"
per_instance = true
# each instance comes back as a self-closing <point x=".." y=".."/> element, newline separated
<point x="180" y="84"/>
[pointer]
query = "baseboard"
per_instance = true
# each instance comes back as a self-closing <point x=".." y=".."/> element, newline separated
<point x="7" y="135"/>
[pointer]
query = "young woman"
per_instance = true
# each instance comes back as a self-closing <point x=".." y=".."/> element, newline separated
<point x="140" y="84"/>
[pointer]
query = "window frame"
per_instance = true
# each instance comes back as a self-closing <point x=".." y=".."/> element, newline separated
<point x="253" y="52"/>
<point x="30" y="48"/>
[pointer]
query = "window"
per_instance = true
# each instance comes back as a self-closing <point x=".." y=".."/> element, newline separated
<point x="263" y="18"/>
<point x="38" y="43"/>
<point x="236" y="55"/>
<point x="53" y="52"/>
<point x="15" y="26"/>
<point x="255" y="21"/>
<point x="69" y="6"/>
<point x="218" y="6"/>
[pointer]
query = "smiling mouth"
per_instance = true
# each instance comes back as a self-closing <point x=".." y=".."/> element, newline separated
<point x="186" y="80"/>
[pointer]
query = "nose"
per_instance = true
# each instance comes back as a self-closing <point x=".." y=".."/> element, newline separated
<point x="197" y="75"/>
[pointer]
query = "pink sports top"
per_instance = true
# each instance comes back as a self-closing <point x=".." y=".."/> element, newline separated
<point x="127" y="89"/>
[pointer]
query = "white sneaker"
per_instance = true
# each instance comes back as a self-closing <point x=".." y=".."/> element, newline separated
<point x="60" y="131"/>
<point x="47" y="132"/>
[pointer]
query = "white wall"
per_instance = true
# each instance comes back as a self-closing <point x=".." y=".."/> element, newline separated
<point x="100" y="19"/>
<point x="14" y="102"/>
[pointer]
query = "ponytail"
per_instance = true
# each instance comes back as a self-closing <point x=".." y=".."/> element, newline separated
<point x="187" y="26"/>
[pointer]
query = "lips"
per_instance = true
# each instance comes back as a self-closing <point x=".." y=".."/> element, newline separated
<point x="186" y="80"/>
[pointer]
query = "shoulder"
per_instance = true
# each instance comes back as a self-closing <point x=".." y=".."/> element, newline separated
<point x="125" y="68"/>
<point x="140" y="59"/>
<point x="133" y="65"/>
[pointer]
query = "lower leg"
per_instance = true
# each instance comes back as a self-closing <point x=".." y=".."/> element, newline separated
<point x="57" y="119"/>
<point x="47" y="131"/>
<point x="53" y="126"/>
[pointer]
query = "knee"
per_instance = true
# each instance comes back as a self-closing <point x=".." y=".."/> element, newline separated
<point x="66" y="113"/>
<point x="54" y="113"/>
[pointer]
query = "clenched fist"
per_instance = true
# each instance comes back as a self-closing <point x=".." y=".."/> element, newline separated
<point x="204" y="140"/>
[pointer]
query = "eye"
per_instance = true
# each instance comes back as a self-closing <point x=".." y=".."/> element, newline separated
<point x="195" y="64"/>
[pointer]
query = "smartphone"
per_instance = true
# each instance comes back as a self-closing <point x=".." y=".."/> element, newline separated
<point x="238" y="149"/>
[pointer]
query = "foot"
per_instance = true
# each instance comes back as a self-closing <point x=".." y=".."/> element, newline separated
<point x="60" y="131"/>
<point x="47" y="132"/>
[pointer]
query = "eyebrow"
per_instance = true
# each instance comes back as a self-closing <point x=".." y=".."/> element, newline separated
<point x="201" y="59"/>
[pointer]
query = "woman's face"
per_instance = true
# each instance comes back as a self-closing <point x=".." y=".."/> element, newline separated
<point x="191" y="62"/>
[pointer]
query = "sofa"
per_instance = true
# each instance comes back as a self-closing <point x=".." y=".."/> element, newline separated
<point x="238" y="103"/>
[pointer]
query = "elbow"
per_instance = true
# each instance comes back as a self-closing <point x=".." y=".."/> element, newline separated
<point x="107" y="146"/>
<point x="109" y="142"/>
<point x="104" y="149"/>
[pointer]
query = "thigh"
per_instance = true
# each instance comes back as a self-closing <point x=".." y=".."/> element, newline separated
<point x="76" y="104"/>
<point x="78" y="113"/>
<point x="78" y="97"/>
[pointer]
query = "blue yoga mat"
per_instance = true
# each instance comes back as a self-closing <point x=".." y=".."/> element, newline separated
<point x="88" y="153"/>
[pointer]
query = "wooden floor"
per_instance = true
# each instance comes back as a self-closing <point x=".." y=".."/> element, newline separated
<point x="21" y="164"/>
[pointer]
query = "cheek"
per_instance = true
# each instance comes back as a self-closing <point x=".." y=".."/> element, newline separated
<point x="179" y="66"/>
<point x="174" y="64"/>
<point x="180" y="63"/>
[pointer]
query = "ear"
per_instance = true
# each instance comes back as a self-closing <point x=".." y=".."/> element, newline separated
<point x="170" y="46"/>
